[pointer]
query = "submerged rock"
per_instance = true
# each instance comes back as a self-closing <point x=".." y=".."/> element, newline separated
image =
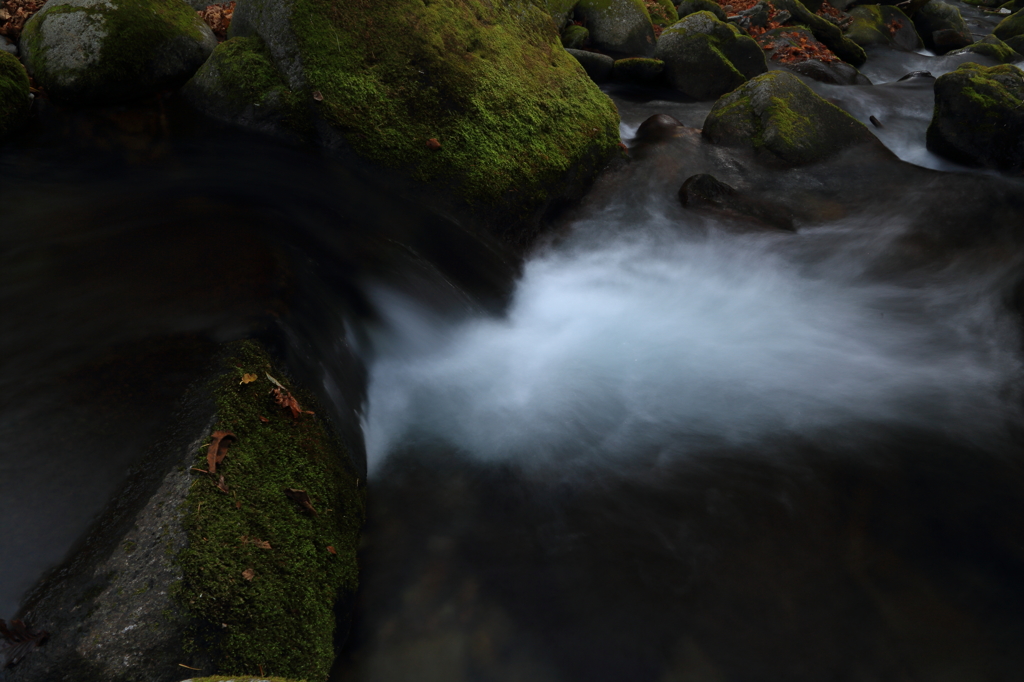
<point x="979" y="117"/>
<point x="220" y="572"/>
<point x="705" y="57"/>
<point x="993" y="48"/>
<point x="519" y="126"/>
<point x="14" y="94"/>
<point x="113" y="51"/>
<point x="783" y="122"/>
<point x="705" y="192"/>
<point x="657" y="128"/>
<point x="883" y="25"/>
<point x="618" y="26"/>
<point x="824" y="30"/>
<point x="941" y="27"/>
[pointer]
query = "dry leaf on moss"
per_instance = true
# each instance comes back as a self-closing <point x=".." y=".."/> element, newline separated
<point x="218" y="18"/>
<point x="301" y="497"/>
<point x="218" y="449"/>
<point x="248" y="378"/>
<point x="248" y="574"/>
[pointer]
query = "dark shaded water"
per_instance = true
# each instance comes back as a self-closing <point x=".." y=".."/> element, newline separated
<point x="672" y="447"/>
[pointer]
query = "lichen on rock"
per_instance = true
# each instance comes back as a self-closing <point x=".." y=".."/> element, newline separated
<point x="14" y="94"/>
<point x="783" y="122"/>
<point x="705" y="57"/>
<point x="979" y="117"/>
<point x="113" y="51"/>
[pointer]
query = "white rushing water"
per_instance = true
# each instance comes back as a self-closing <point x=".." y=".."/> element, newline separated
<point x="650" y="337"/>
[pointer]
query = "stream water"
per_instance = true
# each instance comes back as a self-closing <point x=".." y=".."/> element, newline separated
<point x="668" y="447"/>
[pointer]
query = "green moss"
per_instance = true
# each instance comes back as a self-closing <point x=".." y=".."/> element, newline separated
<point x="282" y="618"/>
<point x="993" y="48"/>
<point x="662" y="12"/>
<point x="575" y="37"/>
<point x="14" y="92"/>
<point x="638" y="70"/>
<point x="512" y="110"/>
<point x="135" y="30"/>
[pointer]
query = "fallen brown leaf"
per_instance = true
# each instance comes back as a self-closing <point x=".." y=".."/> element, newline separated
<point x="248" y="379"/>
<point x="301" y="497"/>
<point x="17" y="640"/>
<point x="433" y="144"/>
<point x="238" y="504"/>
<point x="318" y="96"/>
<point x="331" y="550"/>
<point x="288" y="401"/>
<point x="221" y="485"/>
<point x="218" y="449"/>
<point x="264" y="419"/>
<point x="218" y="18"/>
<point x="249" y="574"/>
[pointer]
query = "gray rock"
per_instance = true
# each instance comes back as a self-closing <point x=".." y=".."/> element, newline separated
<point x="941" y="27"/>
<point x="834" y="73"/>
<point x="622" y="27"/>
<point x="705" y="57"/>
<point x="598" y="66"/>
<point x="658" y="128"/>
<point x="1010" y="27"/>
<point x="783" y="122"/>
<point x="113" y="51"/>
<point x="978" y="118"/>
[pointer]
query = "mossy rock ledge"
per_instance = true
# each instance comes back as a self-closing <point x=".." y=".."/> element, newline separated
<point x="705" y="57"/>
<point x="883" y="25"/>
<point x="223" y="573"/>
<point x="979" y="117"/>
<point x="85" y="52"/>
<point x="14" y="94"/>
<point x="472" y="107"/>
<point x="783" y="122"/>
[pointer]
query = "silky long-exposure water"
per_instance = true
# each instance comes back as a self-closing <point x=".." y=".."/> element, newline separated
<point x="671" y="446"/>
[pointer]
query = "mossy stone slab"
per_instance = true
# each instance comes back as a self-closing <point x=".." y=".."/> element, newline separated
<point x="705" y="57"/>
<point x="979" y="117"/>
<point x="14" y="94"/>
<point x="86" y="52"/>
<point x="784" y="122"/>
<point x="992" y="47"/>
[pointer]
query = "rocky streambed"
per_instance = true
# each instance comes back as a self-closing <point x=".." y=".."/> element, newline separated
<point x="650" y="341"/>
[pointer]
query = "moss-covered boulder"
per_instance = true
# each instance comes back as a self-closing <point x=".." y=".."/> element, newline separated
<point x="825" y="31"/>
<point x="575" y="37"/>
<point x="559" y="10"/>
<point x="883" y="25"/>
<point x="688" y="7"/>
<point x="240" y="83"/>
<point x="1016" y="43"/>
<point x="705" y="57"/>
<point x="638" y="70"/>
<point x="993" y="48"/>
<point x="470" y="105"/>
<point x="979" y="117"/>
<point x="1011" y="26"/>
<point x="621" y="27"/>
<point x="113" y="51"/>
<point x="941" y="27"/>
<point x="796" y="48"/>
<point x="14" y="94"/>
<point x="783" y="122"/>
